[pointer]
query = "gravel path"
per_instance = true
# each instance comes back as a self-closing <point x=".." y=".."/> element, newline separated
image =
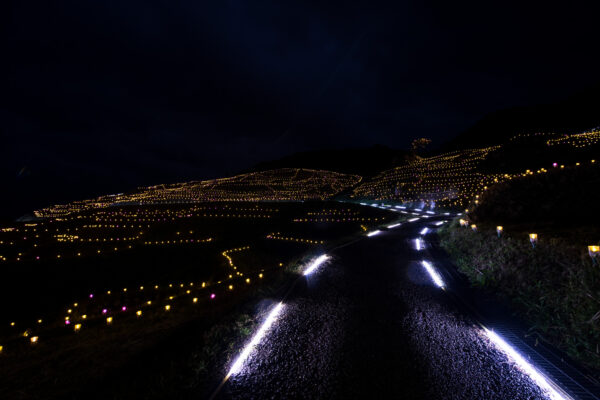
<point x="370" y="324"/>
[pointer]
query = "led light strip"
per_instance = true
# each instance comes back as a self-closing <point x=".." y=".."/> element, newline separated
<point x="315" y="264"/>
<point x="239" y="362"/>
<point x="413" y="219"/>
<point x="419" y="244"/>
<point x="424" y="231"/>
<point x="525" y="367"/>
<point x="393" y="226"/>
<point x="373" y="233"/>
<point x="435" y="277"/>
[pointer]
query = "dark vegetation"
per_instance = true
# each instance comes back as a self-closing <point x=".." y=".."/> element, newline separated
<point x="555" y="285"/>
<point x="186" y="346"/>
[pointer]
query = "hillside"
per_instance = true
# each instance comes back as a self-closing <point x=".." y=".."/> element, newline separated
<point x="453" y="179"/>
<point x="576" y="113"/>
<point x="276" y="185"/>
<point x="360" y="161"/>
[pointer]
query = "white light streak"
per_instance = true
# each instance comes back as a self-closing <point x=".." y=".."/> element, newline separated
<point x="424" y="231"/>
<point x="239" y="362"/>
<point x="393" y="226"/>
<point x="373" y="233"/>
<point x="435" y="277"/>
<point x="419" y="244"/>
<point x="429" y="212"/>
<point x="315" y="264"/>
<point x="415" y="213"/>
<point x="524" y="366"/>
<point x="413" y="219"/>
<point x="418" y="209"/>
<point x="440" y="223"/>
<point x="402" y="207"/>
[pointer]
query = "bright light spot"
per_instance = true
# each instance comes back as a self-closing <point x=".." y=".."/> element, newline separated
<point x="393" y="226"/>
<point x="429" y="212"/>
<point x="373" y="233"/>
<point x="239" y="362"/>
<point x="418" y="244"/>
<point x="435" y="277"/>
<point x="440" y="223"/>
<point x="402" y="207"/>
<point x="315" y="264"/>
<point x="523" y="365"/>
<point x="418" y="209"/>
<point x="424" y="231"/>
<point x="413" y="219"/>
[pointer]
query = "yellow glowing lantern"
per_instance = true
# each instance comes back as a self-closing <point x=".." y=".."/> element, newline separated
<point x="167" y="307"/>
<point x="34" y="339"/>
<point x="499" y="230"/>
<point x="195" y="300"/>
<point x="138" y="313"/>
<point x="533" y="238"/>
<point x="247" y="280"/>
<point x="260" y="276"/>
<point x="474" y="227"/>
<point x="77" y="327"/>
<point x="230" y="287"/>
<point x="594" y="251"/>
<point x="109" y="320"/>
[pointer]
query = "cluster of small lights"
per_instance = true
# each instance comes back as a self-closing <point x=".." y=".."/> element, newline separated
<point x="277" y="185"/>
<point x="579" y="140"/>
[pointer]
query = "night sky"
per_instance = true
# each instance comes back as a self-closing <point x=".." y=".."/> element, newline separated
<point x="108" y="95"/>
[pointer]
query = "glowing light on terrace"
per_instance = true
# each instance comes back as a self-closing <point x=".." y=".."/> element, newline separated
<point x="435" y="277"/>
<point x="594" y="251"/>
<point x="373" y="233"/>
<point x="419" y="244"/>
<point x="315" y="264"/>
<point x="239" y="362"/>
<point x="533" y="238"/>
<point x="523" y="365"/>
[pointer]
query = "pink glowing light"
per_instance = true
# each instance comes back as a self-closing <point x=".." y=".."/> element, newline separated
<point x="91" y="295"/>
<point x="123" y="308"/>
<point x="212" y="296"/>
<point x="67" y="322"/>
<point x="104" y="311"/>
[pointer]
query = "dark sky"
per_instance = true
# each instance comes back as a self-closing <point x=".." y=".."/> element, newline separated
<point x="107" y="95"/>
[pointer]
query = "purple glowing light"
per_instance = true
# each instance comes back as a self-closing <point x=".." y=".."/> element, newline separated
<point x="212" y="296"/>
<point x="67" y="322"/>
<point x="104" y="311"/>
<point x="91" y="295"/>
<point x="123" y="308"/>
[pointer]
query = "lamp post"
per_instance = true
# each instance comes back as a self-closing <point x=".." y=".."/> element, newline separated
<point x="533" y="238"/>
<point x="499" y="230"/>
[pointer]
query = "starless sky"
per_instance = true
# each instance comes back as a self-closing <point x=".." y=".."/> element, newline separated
<point x="113" y="94"/>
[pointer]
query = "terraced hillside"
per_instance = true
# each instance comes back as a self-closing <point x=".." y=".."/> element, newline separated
<point x="275" y="185"/>
<point x="456" y="178"/>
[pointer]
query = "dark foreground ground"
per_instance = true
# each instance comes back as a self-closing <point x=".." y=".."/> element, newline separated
<point x="371" y="324"/>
